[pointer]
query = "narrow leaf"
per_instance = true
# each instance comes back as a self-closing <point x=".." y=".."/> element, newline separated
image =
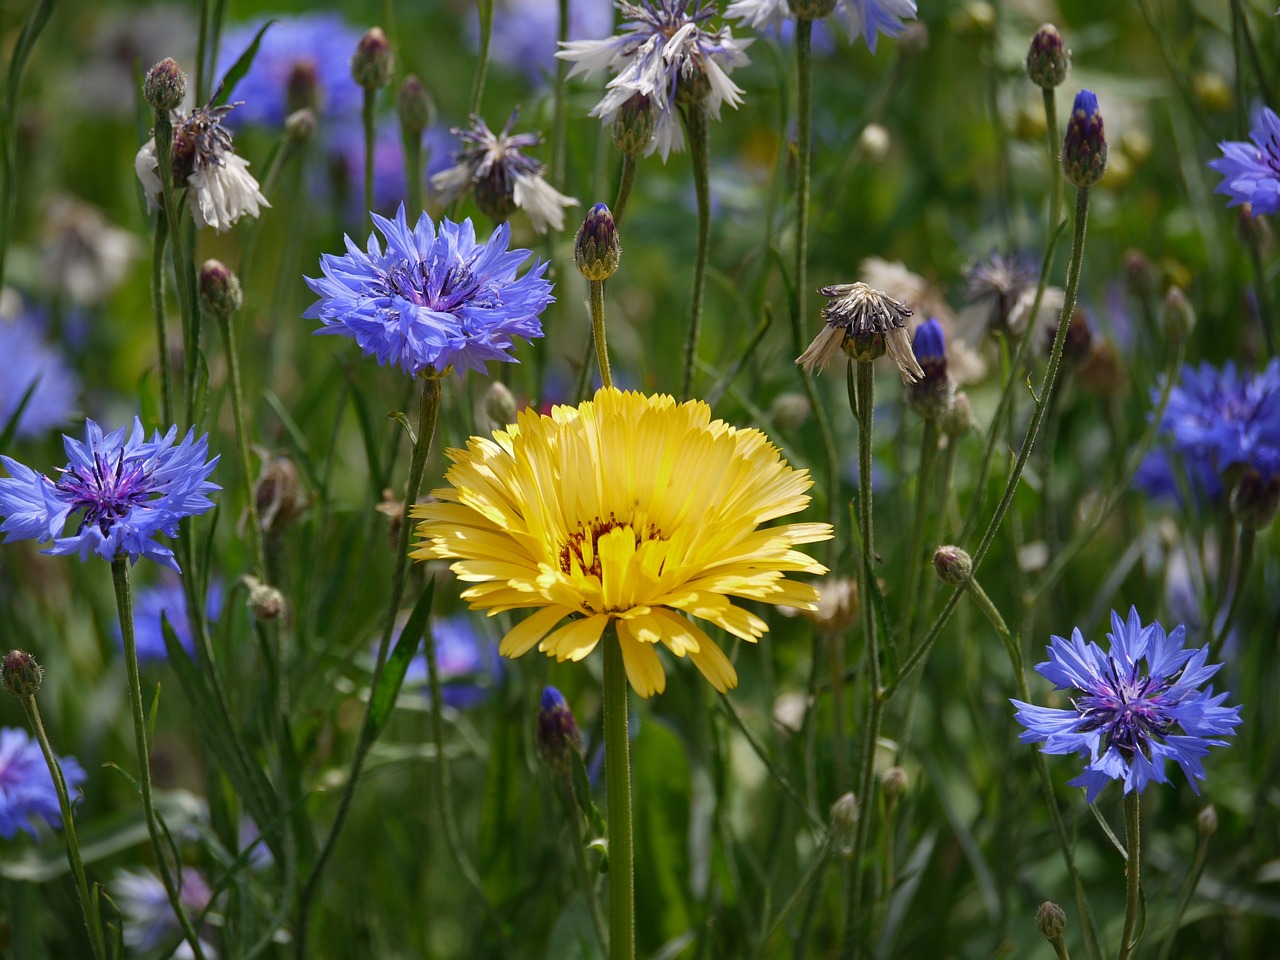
<point x="383" y="698"/>
<point x="227" y="85"/>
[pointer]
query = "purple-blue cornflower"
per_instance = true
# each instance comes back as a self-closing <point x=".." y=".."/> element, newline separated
<point x="150" y="922"/>
<point x="303" y="61"/>
<point x="664" y="47"/>
<point x="126" y="491"/>
<point x="467" y="659"/>
<point x="1165" y="474"/>
<point x="525" y="31"/>
<point x="1219" y="419"/>
<point x="166" y="597"/>
<point x="1251" y="171"/>
<point x="30" y="361"/>
<point x="1130" y="719"/>
<point x="434" y="298"/>
<point x="865" y="18"/>
<point x="27" y="795"/>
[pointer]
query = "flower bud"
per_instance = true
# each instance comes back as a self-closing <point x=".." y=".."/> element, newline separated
<point x="894" y="784"/>
<point x="414" y="105"/>
<point x="1049" y="59"/>
<point x="280" y="495"/>
<point x="558" y="733"/>
<point x="165" y="86"/>
<point x="958" y="420"/>
<point x="953" y="565"/>
<point x="844" y="821"/>
<point x="633" y="126"/>
<point x="265" y="602"/>
<point x="597" y="251"/>
<point x="300" y="126"/>
<point x="220" y="294"/>
<point x="499" y="405"/>
<point x="1084" y="148"/>
<point x="1255" y="498"/>
<point x="1139" y="273"/>
<point x="21" y="674"/>
<point x="302" y="87"/>
<point x="372" y="64"/>
<point x="790" y="411"/>
<point x="929" y="397"/>
<point x="1051" y="921"/>
<point x="812" y="9"/>
<point x="1177" y="316"/>
<point x="1207" y="821"/>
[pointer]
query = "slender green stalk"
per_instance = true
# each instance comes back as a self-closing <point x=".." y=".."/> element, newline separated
<point x="1189" y="884"/>
<point x="124" y="604"/>
<point x="1132" y="874"/>
<point x="1004" y="179"/>
<point x="1265" y="320"/>
<point x="242" y="441"/>
<point x="1055" y="148"/>
<point x="573" y="818"/>
<point x="617" y="773"/>
<point x="598" y="332"/>
<point x="412" y="141"/>
<point x="1241" y="565"/>
<point x="625" y="183"/>
<point x="88" y="905"/>
<point x="157" y="307"/>
<point x="368" y="107"/>
<point x="485" y="8"/>
<point x="804" y="151"/>
<point x="916" y="560"/>
<point x="202" y="45"/>
<point x="696" y="127"/>
<point x="560" y="122"/>
<point x="428" y="413"/>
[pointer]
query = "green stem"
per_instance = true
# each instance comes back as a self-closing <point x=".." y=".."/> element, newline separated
<point x="573" y="818"/>
<point x="560" y="123"/>
<point x="617" y="772"/>
<point x="428" y="413"/>
<point x="242" y="440"/>
<point x="157" y="307"/>
<point x="412" y="141"/>
<point x="367" y="108"/>
<point x="1241" y="564"/>
<point x="625" y="183"/>
<point x="1260" y="289"/>
<point x="1055" y="166"/>
<point x="202" y="44"/>
<point x="916" y="560"/>
<point x="695" y="122"/>
<point x="804" y="150"/>
<point x="598" y="333"/>
<point x="124" y="604"/>
<point x="1189" y="884"/>
<point x="1132" y="873"/>
<point x="1004" y="185"/>
<point x="88" y="906"/>
<point x="482" y="67"/>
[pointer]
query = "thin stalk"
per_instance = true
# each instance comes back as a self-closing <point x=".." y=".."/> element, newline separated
<point x="625" y="184"/>
<point x="367" y="108"/>
<point x="617" y="772"/>
<point x="573" y="816"/>
<point x="1260" y="289"/>
<point x="598" y="333"/>
<point x="412" y="141"/>
<point x="1004" y="185"/>
<point x="428" y="413"/>
<point x="157" y="307"/>
<point x="695" y="122"/>
<point x="1189" y="884"/>
<point x="202" y="44"/>
<point x="183" y="266"/>
<point x="915" y="545"/>
<point x="1055" y="146"/>
<point x="88" y="906"/>
<point x="1132" y="873"/>
<point x="804" y="150"/>
<point x="485" y="8"/>
<point x="1241" y="564"/>
<point x="560" y="123"/>
<point x="124" y="604"/>
<point x="242" y="440"/>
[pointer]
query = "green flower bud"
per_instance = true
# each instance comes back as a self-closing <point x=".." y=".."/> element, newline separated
<point x="220" y="294"/>
<point x="633" y="126"/>
<point x="1049" y="59"/>
<point x="414" y="105"/>
<point x="21" y="674"/>
<point x="953" y="565"/>
<point x="165" y="86"/>
<point x="1051" y="921"/>
<point x="373" y="63"/>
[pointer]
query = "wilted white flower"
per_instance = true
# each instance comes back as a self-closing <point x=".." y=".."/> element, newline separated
<point x="857" y="311"/>
<point x="84" y="256"/>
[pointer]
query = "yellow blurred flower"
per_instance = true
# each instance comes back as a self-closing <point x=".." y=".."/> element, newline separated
<point x="627" y="509"/>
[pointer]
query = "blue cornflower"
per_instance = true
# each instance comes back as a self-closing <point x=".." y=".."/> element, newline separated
<point x="150" y="922"/>
<point x="1251" y="171"/>
<point x="166" y="597"/>
<point x="524" y="33"/>
<point x="468" y="662"/>
<point x="27" y="794"/>
<point x="303" y="61"/>
<point x="1165" y="474"/>
<point x="29" y="361"/>
<point x="434" y="298"/>
<point x="1130" y="720"/>
<point x="865" y="18"/>
<point x="1220" y="418"/>
<point x="126" y="490"/>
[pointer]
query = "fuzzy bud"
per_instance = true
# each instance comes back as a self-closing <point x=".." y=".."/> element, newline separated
<point x="21" y="674"/>
<point x="1051" y="921"/>
<point x="1177" y="316"/>
<point x="1207" y="821"/>
<point x="958" y="420"/>
<point x="894" y="784"/>
<point x="499" y="405"/>
<point x="302" y="86"/>
<point x="1049" y="59"/>
<point x="300" y="126"/>
<point x="414" y="105"/>
<point x="220" y="294"/>
<point x="844" y="821"/>
<point x="373" y="63"/>
<point x="633" y="126"/>
<point x="558" y="733"/>
<point x="812" y="9"/>
<point x="265" y="601"/>
<point x="953" y="565"/>
<point x="597" y="251"/>
<point x="165" y="86"/>
<point x="1084" y="148"/>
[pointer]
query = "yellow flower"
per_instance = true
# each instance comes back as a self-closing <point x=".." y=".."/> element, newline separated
<point x="627" y="509"/>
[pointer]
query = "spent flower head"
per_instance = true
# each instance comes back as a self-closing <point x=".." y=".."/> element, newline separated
<point x="121" y="492"/>
<point x="433" y="298"/>
<point x="1251" y="171"/>
<point x="1140" y="706"/>
<point x="863" y="18"/>
<point x="668" y="53"/>
<point x="27" y="794"/>
<point x="494" y="169"/>
<point x="858" y="312"/>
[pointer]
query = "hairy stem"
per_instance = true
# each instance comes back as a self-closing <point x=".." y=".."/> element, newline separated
<point x="617" y="772"/>
<point x="1132" y="874"/>
<point x="695" y="121"/>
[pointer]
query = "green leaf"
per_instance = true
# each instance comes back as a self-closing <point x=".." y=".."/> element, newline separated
<point x="238" y="69"/>
<point x="11" y="428"/>
<point x="383" y="698"/>
<point x="663" y="785"/>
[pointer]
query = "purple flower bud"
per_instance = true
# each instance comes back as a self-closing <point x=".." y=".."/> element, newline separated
<point x="1084" y="149"/>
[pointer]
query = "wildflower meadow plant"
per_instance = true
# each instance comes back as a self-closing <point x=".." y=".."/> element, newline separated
<point x="1251" y="171"/>
<point x="27" y="795"/>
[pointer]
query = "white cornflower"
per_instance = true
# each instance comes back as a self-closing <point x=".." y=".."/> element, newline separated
<point x="501" y="178"/>
<point x="665" y="54"/>
<point x="866" y="18"/>
<point x="220" y="188"/>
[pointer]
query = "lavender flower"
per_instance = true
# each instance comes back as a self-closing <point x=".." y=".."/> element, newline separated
<point x="33" y="365"/>
<point x="434" y="298"/>
<point x="166" y="597"/>
<point x="468" y="663"/>
<point x="524" y="32"/>
<point x="27" y="794"/>
<point x="1219" y="419"/>
<point x="126" y="490"/>
<point x="150" y="922"/>
<point x="1131" y="719"/>
<point x="664" y="53"/>
<point x="494" y="168"/>
<point x="303" y="61"/>
<point x="865" y="18"/>
<point x="1251" y="171"/>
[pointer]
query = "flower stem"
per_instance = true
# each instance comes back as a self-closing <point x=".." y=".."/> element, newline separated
<point x="428" y="413"/>
<point x="1133" y="893"/>
<point x="617" y="772"/>
<point x="597" y="332"/>
<point x="1241" y="564"/>
<point x="485" y="8"/>
<point x="915" y="545"/>
<point x="695" y="121"/>
<point x="368" y="105"/>
<point x="157" y="306"/>
<point x="242" y="440"/>
<point x="625" y="183"/>
<point x="124" y="605"/>
<point x="804" y="149"/>
<point x="560" y="122"/>
<point x="88" y="906"/>
<point x="1055" y="167"/>
<point x="412" y="145"/>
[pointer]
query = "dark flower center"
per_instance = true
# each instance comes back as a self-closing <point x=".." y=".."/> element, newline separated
<point x="438" y="286"/>
<point x="105" y="493"/>
<point x="1130" y="709"/>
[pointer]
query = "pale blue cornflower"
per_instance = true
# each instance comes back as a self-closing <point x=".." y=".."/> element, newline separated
<point x="166" y="598"/>
<point x="863" y="18"/>
<point x="433" y="298"/>
<point x="466" y="658"/>
<point x="27" y="794"/>
<point x="1251" y="171"/>
<point x="665" y="52"/>
<point x="1141" y="706"/>
<point x="33" y="366"/>
<point x="126" y="491"/>
<point x="150" y="922"/>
